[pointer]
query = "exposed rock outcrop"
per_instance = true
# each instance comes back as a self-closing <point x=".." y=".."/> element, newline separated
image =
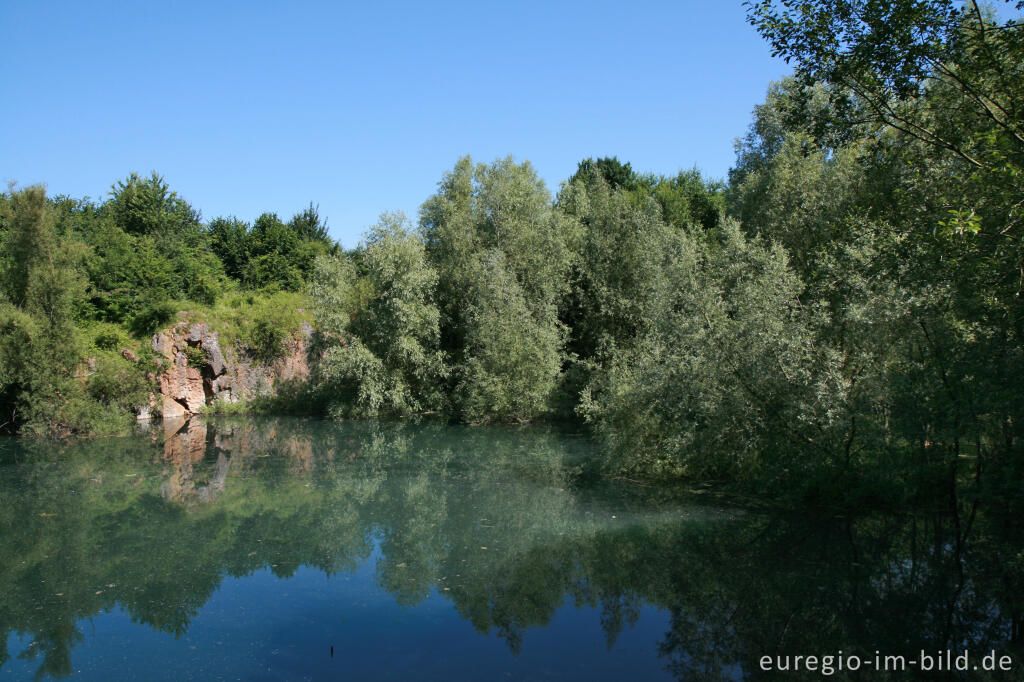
<point x="182" y="388"/>
<point x="195" y="379"/>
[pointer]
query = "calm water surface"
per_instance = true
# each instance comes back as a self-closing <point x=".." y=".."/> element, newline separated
<point x="288" y="549"/>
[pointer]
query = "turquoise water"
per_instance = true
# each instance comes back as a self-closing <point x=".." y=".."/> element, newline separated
<point x="289" y="549"/>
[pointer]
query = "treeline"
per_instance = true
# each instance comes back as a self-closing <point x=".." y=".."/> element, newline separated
<point x="846" y="308"/>
<point x="478" y="326"/>
<point x="504" y="304"/>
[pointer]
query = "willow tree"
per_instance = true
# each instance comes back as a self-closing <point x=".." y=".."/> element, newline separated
<point x="921" y="263"/>
<point x="608" y="303"/>
<point x="500" y="249"/>
<point x="379" y="326"/>
<point x="725" y="380"/>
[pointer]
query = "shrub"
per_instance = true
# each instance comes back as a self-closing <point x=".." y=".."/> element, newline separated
<point x="266" y="338"/>
<point x="151" y="318"/>
<point x="110" y="339"/>
<point x="205" y="289"/>
<point x="117" y="383"/>
<point x="196" y="357"/>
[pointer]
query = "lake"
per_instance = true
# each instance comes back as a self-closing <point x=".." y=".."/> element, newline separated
<point x="265" y="549"/>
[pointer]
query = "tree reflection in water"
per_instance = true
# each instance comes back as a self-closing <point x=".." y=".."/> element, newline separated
<point x="154" y="524"/>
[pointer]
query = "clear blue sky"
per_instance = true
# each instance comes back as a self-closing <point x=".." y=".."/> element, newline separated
<point x="361" y="107"/>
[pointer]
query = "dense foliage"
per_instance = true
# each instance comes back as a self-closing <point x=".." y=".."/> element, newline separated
<point x="80" y="279"/>
<point x="379" y="325"/>
<point x="505" y="302"/>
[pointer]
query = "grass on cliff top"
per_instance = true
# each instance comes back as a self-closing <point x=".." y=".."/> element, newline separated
<point x="240" y="317"/>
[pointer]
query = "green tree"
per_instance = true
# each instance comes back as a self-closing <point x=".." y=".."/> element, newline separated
<point x="272" y="247"/>
<point x="612" y="171"/>
<point x="684" y="199"/>
<point x="41" y="273"/>
<point x="931" y="203"/>
<point x="687" y="199"/>
<point x="229" y="239"/>
<point x="501" y="252"/>
<point x="608" y="305"/>
<point x="512" y="359"/>
<point x="278" y="255"/>
<point x="43" y="380"/>
<point x="889" y="55"/>
<point x="382" y="329"/>
<point x="169" y="252"/>
<point x="148" y="206"/>
<point x="726" y="381"/>
<point x="308" y="224"/>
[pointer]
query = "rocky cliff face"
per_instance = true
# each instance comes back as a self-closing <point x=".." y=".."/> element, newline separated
<point x="201" y="373"/>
